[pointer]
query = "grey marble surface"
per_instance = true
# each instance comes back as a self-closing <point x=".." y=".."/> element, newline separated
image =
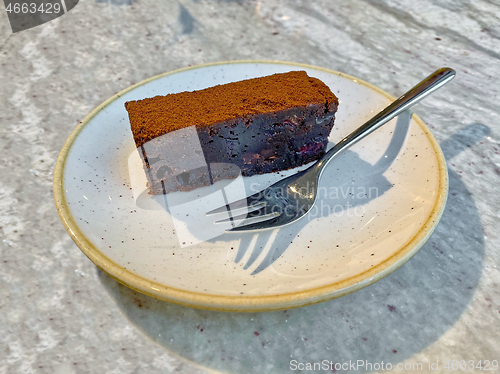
<point x="58" y="314"/>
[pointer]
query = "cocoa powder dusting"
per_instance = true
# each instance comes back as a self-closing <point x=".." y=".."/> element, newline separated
<point x="153" y="117"/>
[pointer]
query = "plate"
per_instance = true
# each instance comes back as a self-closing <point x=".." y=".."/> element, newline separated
<point x="379" y="202"/>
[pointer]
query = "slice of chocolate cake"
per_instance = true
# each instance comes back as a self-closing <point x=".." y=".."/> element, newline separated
<point x="255" y="126"/>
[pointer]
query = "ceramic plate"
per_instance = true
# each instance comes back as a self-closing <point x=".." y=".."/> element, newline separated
<point x="379" y="202"/>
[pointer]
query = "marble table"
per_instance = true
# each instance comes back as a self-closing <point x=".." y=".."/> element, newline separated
<point x="58" y="314"/>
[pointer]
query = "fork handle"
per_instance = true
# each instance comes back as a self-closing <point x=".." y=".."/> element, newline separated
<point x="413" y="96"/>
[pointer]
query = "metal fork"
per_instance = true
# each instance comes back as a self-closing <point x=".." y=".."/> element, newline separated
<point x="291" y="198"/>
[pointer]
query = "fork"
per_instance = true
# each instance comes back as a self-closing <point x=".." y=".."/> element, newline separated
<point x="291" y="198"/>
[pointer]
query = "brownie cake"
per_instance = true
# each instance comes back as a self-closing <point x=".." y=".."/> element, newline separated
<point x="255" y="126"/>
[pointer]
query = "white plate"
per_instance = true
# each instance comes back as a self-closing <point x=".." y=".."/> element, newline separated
<point x="381" y="201"/>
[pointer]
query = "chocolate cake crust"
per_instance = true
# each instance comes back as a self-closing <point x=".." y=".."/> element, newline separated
<point x="159" y="115"/>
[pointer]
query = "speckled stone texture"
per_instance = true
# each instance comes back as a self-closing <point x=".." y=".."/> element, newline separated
<point x="58" y="314"/>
